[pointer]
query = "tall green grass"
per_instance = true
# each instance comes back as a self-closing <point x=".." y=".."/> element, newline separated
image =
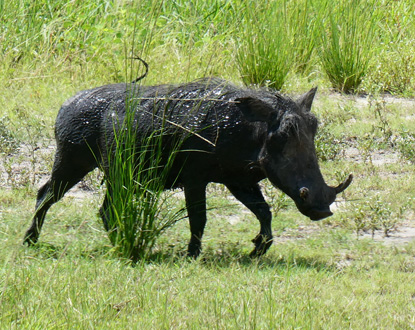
<point x="392" y="70"/>
<point x="275" y="37"/>
<point x="263" y="43"/>
<point x="264" y="52"/>
<point x="347" y="42"/>
<point x="138" y="169"/>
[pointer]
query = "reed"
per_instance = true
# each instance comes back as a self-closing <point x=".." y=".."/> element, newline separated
<point x="138" y="170"/>
<point x="347" y="34"/>
<point x="264" y="53"/>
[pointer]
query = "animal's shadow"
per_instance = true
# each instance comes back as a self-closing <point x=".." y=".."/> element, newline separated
<point x="227" y="257"/>
<point x="234" y="255"/>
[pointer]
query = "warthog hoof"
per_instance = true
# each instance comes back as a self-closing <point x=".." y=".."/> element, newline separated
<point x="262" y="244"/>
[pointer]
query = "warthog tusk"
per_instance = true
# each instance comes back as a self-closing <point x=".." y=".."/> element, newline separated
<point x="342" y="186"/>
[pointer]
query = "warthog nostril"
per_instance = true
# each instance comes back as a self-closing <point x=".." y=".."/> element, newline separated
<point x="304" y="193"/>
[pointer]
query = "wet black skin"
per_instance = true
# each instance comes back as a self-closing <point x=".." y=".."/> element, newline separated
<point x="243" y="136"/>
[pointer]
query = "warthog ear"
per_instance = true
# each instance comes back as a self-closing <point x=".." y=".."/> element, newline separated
<point x="254" y="109"/>
<point x="305" y="101"/>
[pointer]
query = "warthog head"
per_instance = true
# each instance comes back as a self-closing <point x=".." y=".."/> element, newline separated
<point x="288" y="156"/>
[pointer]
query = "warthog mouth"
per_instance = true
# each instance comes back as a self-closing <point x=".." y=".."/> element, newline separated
<point x="318" y="214"/>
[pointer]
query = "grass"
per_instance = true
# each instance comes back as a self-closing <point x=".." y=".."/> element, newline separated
<point x="264" y="53"/>
<point x="274" y="39"/>
<point x="355" y="283"/>
<point x="317" y="275"/>
<point x="347" y="42"/>
<point x="138" y="170"/>
<point x="180" y="45"/>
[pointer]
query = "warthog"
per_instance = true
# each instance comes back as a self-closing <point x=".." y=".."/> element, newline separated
<point x="231" y="135"/>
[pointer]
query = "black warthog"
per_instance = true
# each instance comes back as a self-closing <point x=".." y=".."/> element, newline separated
<point x="231" y="135"/>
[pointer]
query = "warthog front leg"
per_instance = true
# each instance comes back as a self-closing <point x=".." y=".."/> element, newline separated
<point x="251" y="196"/>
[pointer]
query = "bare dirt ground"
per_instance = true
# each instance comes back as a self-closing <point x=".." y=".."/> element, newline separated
<point x="405" y="233"/>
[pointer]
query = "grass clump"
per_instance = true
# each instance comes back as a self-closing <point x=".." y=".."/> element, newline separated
<point x="138" y="170"/>
<point x="376" y="214"/>
<point x="393" y="69"/>
<point x="328" y="147"/>
<point x="406" y="145"/>
<point x="265" y="54"/>
<point x="8" y="142"/>
<point x="347" y="42"/>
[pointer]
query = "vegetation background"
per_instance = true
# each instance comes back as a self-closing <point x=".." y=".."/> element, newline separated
<point x="330" y="274"/>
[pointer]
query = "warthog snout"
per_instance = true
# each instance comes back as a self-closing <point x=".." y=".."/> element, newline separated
<point x="319" y="214"/>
